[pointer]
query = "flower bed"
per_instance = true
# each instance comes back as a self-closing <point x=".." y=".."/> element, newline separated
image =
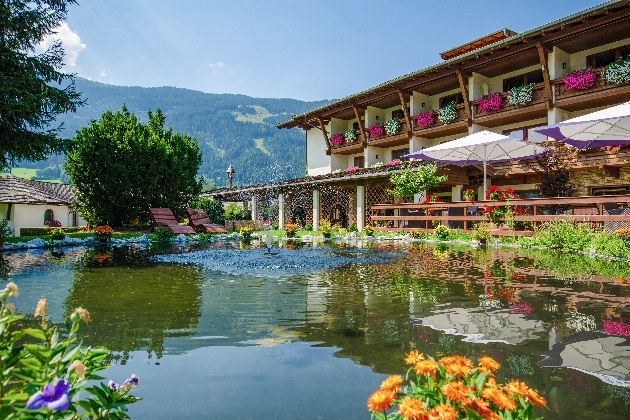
<point x="521" y="95"/>
<point x="491" y="102"/>
<point x="426" y="119"/>
<point x="580" y="79"/>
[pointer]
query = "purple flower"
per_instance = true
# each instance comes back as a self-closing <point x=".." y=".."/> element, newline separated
<point x="54" y="397"/>
<point x="112" y="385"/>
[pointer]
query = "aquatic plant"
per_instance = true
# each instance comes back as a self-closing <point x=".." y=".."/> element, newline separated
<point x="451" y="388"/>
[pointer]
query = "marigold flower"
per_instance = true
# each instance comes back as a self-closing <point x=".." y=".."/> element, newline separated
<point x="380" y="400"/>
<point x="499" y="398"/>
<point x="455" y="391"/>
<point x="392" y="383"/>
<point x="41" y="308"/>
<point x="13" y="289"/>
<point x="442" y="412"/>
<point x="413" y="357"/>
<point x="426" y="367"/>
<point x="459" y="366"/>
<point x="535" y="398"/>
<point x="411" y="408"/>
<point x="488" y="364"/>
<point x="516" y="387"/>
<point x="481" y="407"/>
<point x="79" y="368"/>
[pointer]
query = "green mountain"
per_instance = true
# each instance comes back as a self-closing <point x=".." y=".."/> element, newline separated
<point x="228" y="127"/>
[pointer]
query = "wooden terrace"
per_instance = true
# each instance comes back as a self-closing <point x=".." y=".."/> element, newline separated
<point x="607" y="212"/>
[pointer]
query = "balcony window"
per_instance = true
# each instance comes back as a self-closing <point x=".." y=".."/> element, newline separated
<point x="458" y="98"/>
<point x="355" y="125"/>
<point x="604" y="58"/>
<point x="359" y="161"/>
<point x="399" y="153"/>
<point x="398" y="114"/>
<point x="523" y="79"/>
<point x="526" y="133"/>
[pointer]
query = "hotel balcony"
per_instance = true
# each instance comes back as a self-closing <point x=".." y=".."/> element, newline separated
<point x="399" y="139"/>
<point x="600" y="94"/>
<point x="438" y="129"/>
<point x="349" y="148"/>
<point x="536" y="108"/>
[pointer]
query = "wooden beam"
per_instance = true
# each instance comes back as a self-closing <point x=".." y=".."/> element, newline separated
<point x="323" y="128"/>
<point x="542" y="55"/>
<point x="357" y="114"/>
<point x="464" y="88"/>
<point x="403" y="103"/>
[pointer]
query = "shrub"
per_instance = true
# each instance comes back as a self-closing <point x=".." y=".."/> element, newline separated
<point x="5" y="230"/>
<point x="308" y="227"/>
<point x="289" y="229"/>
<point x="418" y="234"/>
<point x="163" y="235"/>
<point x="246" y="234"/>
<point x="103" y="233"/>
<point x="57" y="234"/>
<point x="53" y="223"/>
<point x="441" y="232"/>
<point x="481" y="231"/>
<point x="368" y="230"/>
<point x="214" y="208"/>
<point x="565" y="235"/>
<point x="46" y="369"/>
<point x="233" y="212"/>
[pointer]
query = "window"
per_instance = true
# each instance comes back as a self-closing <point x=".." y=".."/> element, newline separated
<point x="398" y="114"/>
<point x="523" y="79"/>
<point x="48" y="216"/>
<point x="604" y="58"/>
<point x="359" y="161"/>
<point x="458" y="98"/>
<point x="528" y="133"/>
<point x="355" y="125"/>
<point x="610" y="190"/>
<point x="398" y="154"/>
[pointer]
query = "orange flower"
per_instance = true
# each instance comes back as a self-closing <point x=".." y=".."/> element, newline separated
<point x="535" y="398"/>
<point x="488" y="364"/>
<point x="455" y="391"/>
<point x="459" y="366"/>
<point x="426" y="367"/>
<point x="413" y="357"/>
<point x="411" y="408"/>
<point x="392" y="383"/>
<point x="515" y="387"/>
<point x="499" y="398"/>
<point x="380" y="400"/>
<point x="442" y="412"/>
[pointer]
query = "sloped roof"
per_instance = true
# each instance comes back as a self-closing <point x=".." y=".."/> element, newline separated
<point x="22" y="191"/>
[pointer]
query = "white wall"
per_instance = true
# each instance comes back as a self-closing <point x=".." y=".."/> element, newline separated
<point x="578" y="60"/>
<point x="318" y="162"/>
<point x="32" y="215"/>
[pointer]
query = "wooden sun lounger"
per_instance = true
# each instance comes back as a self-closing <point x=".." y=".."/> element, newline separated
<point x="200" y="221"/>
<point x="163" y="217"/>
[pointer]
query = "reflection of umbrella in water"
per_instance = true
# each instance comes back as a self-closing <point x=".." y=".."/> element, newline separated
<point x="479" y="149"/>
<point x="480" y="325"/>
<point x="604" y="356"/>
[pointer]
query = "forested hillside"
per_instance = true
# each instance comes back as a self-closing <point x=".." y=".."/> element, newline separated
<point x="227" y="126"/>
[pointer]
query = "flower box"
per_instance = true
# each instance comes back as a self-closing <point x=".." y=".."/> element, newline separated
<point x="392" y="126"/>
<point x="448" y="113"/>
<point x="521" y="95"/>
<point x="491" y="102"/>
<point x="350" y="135"/>
<point x="426" y="119"/>
<point x="618" y="72"/>
<point x="376" y="131"/>
<point x="336" y="140"/>
<point x="580" y="79"/>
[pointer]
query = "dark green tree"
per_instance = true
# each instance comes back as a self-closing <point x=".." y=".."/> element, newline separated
<point x="213" y="207"/>
<point x="32" y="89"/>
<point x="121" y="167"/>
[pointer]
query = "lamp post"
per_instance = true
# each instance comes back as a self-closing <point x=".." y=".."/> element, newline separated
<point x="230" y="174"/>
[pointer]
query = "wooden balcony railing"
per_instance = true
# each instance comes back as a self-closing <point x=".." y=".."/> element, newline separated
<point x="398" y="139"/>
<point x="350" y="148"/>
<point x="601" y="93"/>
<point x="508" y="111"/>
<point x="606" y="212"/>
<point x="438" y="129"/>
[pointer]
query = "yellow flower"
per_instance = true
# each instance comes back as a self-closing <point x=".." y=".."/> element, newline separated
<point x="380" y="400"/>
<point x="411" y="408"/>
<point x="413" y="357"/>
<point x="392" y="383"/>
<point x="41" y="308"/>
<point x="455" y="391"/>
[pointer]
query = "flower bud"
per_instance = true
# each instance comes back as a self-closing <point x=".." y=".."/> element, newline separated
<point x="42" y="306"/>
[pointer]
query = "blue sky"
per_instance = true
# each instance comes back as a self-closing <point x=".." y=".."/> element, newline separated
<point x="302" y="49"/>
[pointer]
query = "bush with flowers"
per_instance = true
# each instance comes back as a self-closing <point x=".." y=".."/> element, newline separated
<point x="580" y="79"/>
<point x="246" y="233"/>
<point x="491" y="102"/>
<point x="452" y="388"/>
<point x="44" y="369"/>
<point x="469" y="193"/>
<point x="376" y="131"/>
<point x="426" y="119"/>
<point x="290" y="229"/>
<point x="394" y="162"/>
<point x="392" y="126"/>
<point x="618" y="72"/>
<point x="521" y="95"/>
<point x="103" y="233"/>
<point x="497" y="214"/>
<point x="53" y="223"/>
<point x="336" y="140"/>
<point x="350" y="135"/>
<point x="448" y="113"/>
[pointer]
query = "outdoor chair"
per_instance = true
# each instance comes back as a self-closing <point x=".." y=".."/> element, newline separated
<point x="163" y="217"/>
<point x="198" y="219"/>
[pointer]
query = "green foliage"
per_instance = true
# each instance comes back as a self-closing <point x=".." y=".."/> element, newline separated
<point x="353" y="227"/>
<point x="246" y="234"/>
<point x="57" y="234"/>
<point x="43" y="231"/>
<point x="163" y="235"/>
<point x="32" y="89"/>
<point x="5" y="230"/>
<point x="412" y="181"/>
<point x="36" y="358"/>
<point x="442" y="232"/>
<point x="368" y="230"/>
<point x="122" y="167"/>
<point x="308" y="227"/>
<point x="418" y="234"/>
<point x="481" y="231"/>
<point x="214" y="208"/>
<point x="565" y="235"/>
<point x="325" y="227"/>
<point x="233" y="212"/>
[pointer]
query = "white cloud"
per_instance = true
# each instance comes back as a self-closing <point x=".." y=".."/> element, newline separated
<point x="218" y="64"/>
<point x="71" y="43"/>
<point x="102" y="73"/>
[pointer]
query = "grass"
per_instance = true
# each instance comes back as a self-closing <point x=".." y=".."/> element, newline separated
<point x="28" y="173"/>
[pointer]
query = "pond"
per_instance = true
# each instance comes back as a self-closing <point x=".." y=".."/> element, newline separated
<point x="310" y="331"/>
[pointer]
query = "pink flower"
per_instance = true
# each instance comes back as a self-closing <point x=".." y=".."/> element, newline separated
<point x="580" y="79"/>
<point x="394" y="162"/>
<point x="376" y="130"/>
<point x="336" y="140"/>
<point x="617" y="327"/>
<point x="490" y="102"/>
<point x="425" y="119"/>
<point x="351" y="169"/>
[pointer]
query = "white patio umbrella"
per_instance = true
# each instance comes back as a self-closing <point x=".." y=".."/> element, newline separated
<point x="479" y="148"/>
<point x="608" y="127"/>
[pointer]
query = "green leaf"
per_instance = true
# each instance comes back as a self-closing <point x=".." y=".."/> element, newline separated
<point x="37" y="333"/>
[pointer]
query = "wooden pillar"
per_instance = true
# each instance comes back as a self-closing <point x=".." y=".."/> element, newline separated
<point x="542" y="55"/>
